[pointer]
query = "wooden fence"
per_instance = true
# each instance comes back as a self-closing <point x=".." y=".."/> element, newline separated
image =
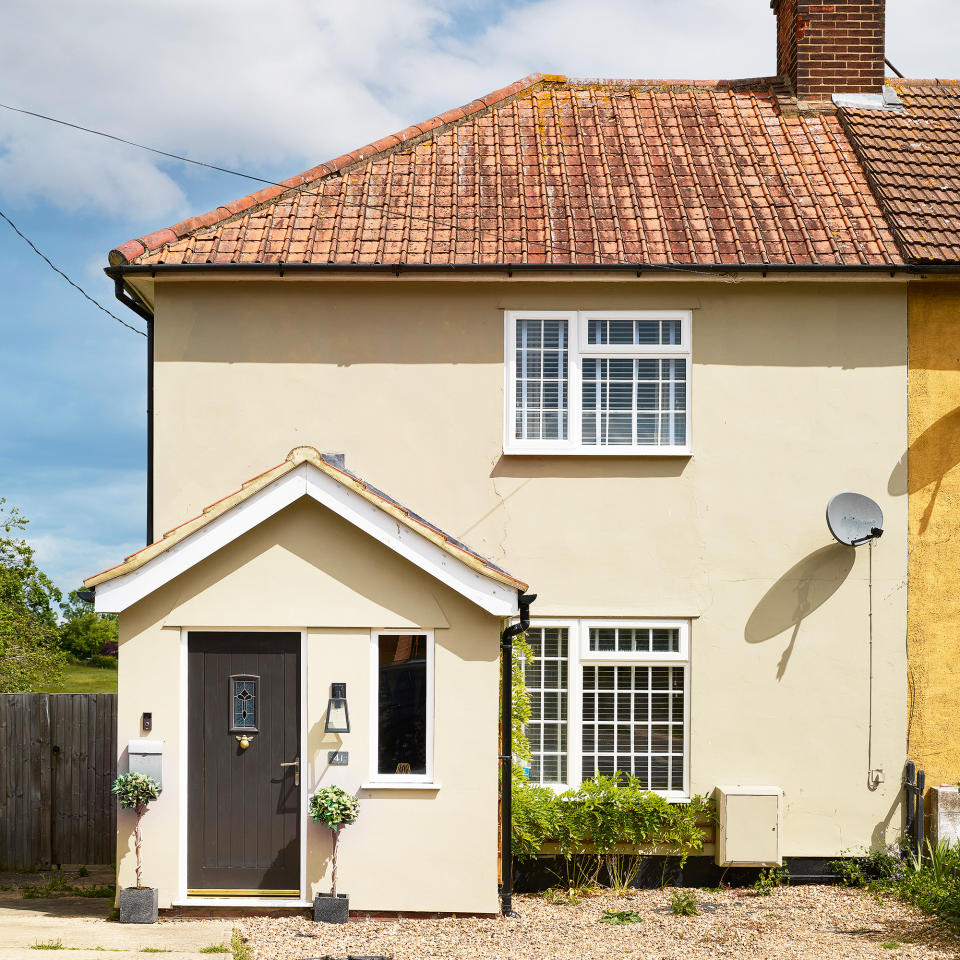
<point x="58" y="760"/>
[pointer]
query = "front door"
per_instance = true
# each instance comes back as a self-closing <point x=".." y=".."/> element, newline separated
<point x="243" y="740"/>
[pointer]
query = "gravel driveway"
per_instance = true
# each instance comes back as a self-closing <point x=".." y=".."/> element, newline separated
<point x="799" y="923"/>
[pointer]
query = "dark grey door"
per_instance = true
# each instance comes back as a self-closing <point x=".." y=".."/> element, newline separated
<point x="243" y="723"/>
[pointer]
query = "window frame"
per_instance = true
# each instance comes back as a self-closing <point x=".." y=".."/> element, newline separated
<point x="231" y="680"/>
<point x="574" y="684"/>
<point x="398" y="779"/>
<point x="579" y="655"/>
<point x="578" y="348"/>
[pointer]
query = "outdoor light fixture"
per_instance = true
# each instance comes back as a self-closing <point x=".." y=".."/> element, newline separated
<point x="338" y="717"/>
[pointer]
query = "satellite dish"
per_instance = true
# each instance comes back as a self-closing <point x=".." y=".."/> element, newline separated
<point x="854" y="519"/>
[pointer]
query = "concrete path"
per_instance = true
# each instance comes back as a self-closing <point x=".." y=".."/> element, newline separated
<point x="80" y="925"/>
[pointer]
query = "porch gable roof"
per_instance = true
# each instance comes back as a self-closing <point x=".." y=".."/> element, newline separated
<point x="307" y="472"/>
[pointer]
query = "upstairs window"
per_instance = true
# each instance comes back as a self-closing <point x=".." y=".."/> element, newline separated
<point x="598" y="382"/>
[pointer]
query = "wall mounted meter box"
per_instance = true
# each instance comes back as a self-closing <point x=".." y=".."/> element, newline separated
<point x="146" y="757"/>
<point x="749" y="826"/>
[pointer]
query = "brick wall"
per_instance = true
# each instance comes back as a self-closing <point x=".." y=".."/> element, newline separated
<point x="826" y="48"/>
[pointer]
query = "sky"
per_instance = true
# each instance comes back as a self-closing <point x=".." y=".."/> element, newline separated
<point x="270" y="89"/>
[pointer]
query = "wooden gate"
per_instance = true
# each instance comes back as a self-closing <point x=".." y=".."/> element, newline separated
<point x="58" y="760"/>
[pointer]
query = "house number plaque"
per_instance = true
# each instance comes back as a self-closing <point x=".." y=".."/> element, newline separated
<point x="338" y="758"/>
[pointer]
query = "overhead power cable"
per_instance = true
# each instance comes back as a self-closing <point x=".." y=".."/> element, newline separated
<point x="132" y="143"/>
<point x="379" y="208"/>
<point x="56" y="269"/>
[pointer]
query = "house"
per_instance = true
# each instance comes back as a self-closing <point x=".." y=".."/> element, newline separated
<point x="625" y="339"/>
<point x="909" y="146"/>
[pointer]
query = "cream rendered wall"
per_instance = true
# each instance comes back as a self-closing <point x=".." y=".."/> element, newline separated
<point x="799" y="391"/>
<point x="309" y="569"/>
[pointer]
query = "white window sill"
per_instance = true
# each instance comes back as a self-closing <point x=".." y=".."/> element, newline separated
<point x="533" y="451"/>
<point x="401" y="785"/>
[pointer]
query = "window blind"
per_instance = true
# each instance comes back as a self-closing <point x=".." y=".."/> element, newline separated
<point x="634" y="640"/>
<point x="545" y="675"/>
<point x="633" y="723"/>
<point x="542" y="379"/>
<point x="631" y="400"/>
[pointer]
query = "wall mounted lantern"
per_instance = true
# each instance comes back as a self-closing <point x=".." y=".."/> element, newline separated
<point x="338" y="717"/>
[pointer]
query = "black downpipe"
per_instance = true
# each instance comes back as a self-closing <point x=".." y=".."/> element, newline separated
<point x="506" y="757"/>
<point x="146" y="315"/>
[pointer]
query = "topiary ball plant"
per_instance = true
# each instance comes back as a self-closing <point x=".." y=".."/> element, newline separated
<point x="335" y="809"/>
<point x="133" y="792"/>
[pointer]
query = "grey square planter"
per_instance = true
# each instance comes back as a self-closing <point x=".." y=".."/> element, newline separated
<point x="327" y="909"/>
<point x="138" y="906"/>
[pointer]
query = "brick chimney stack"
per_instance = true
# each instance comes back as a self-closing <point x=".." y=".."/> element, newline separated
<point x="827" y="48"/>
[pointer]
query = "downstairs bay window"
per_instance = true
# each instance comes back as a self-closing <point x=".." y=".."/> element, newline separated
<point x="609" y="697"/>
<point x="598" y="382"/>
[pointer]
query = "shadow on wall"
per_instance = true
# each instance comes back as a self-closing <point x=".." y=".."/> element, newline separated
<point x="804" y="587"/>
<point x="933" y="454"/>
<point x="577" y="467"/>
<point x="878" y="836"/>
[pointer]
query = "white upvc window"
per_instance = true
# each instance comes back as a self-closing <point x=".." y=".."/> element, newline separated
<point x="401" y="707"/>
<point x="607" y="697"/>
<point x="602" y="382"/>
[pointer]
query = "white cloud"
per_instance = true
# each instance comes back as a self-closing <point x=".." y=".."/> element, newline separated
<point x="277" y="87"/>
<point x="67" y="521"/>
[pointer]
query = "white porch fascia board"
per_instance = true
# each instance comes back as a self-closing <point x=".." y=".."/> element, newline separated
<point x="114" y="596"/>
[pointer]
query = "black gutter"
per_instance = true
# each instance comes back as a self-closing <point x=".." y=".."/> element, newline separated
<point x="506" y="757"/>
<point x="142" y="312"/>
<point x="153" y="270"/>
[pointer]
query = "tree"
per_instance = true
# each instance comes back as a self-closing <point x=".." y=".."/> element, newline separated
<point x="335" y="809"/>
<point x="29" y="655"/>
<point x="85" y="633"/>
<point x="133" y="792"/>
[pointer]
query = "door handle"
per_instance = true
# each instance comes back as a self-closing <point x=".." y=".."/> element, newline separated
<point x="296" y="773"/>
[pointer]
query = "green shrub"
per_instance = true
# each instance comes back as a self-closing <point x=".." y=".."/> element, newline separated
<point x="929" y="880"/>
<point x="103" y="661"/>
<point x="769" y="880"/>
<point x="683" y="903"/>
<point x="619" y="918"/>
<point x="608" y="822"/>
<point x="86" y="634"/>
<point x="334" y="807"/>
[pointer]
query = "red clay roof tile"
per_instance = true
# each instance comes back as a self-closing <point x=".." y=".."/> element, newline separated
<point x="553" y="171"/>
<point x="912" y="160"/>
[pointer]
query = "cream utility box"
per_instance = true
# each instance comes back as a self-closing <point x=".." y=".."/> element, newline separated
<point x="749" y="824"/>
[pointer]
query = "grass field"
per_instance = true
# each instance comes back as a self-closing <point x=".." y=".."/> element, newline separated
<point x="79" y="678"/>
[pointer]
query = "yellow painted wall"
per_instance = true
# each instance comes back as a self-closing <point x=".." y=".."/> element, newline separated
<point x="933" y="480"/>
<point x="311" y="570"/>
